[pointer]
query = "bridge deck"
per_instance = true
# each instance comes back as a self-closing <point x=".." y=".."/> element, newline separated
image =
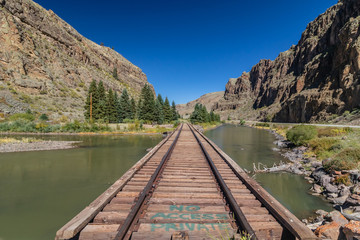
<point x="185" y="184"/>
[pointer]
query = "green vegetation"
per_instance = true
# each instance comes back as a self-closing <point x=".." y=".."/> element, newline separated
<point x="301" y="134"/>
<point x="44" y="117"/>
<point x="108" y="107"/>
<point x="339" y="148"/>
<point x="347" y="159"/>
<point x="201" y="115"/>
<point x="262" y="124"/>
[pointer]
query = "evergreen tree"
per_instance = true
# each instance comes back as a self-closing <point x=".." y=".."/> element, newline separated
<point x="212" y="116"/>
<point x="111" y="111"/>
<point x="159" y="115"/>
<point x="117" y="105"/>
<point x="125" y="106"/>
<point x="92" y="91"/>
<point x="138" y="109"/>
<point x="99" y="108"/>
<point x="115" y="74"/>
<point x="147" y="110"/>
<point x="167" y="111"/>
<point x="133" y="108"/>
<point x="160" y="99"/>
<point x="174" y="112"/>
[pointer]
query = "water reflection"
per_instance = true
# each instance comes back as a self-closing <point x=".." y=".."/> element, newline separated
<point x="40" y="191"/>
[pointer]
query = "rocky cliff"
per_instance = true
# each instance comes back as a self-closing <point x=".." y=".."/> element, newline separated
<point x="46" y="65"/>
<point x="208" y="100"/>
<point x="309" y="82"/>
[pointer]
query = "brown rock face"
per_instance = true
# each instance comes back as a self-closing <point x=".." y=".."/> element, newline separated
<point x="317" y="77"/>
<point x="208" y="100"/>
<point x="46" y="65"/>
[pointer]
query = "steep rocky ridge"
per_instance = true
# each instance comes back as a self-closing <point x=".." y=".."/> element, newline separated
<point x="46" y="65"/>
<point x="208" y="100"/>
<point x="309" y="82"/>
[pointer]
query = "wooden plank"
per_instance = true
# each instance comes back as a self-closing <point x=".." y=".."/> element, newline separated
<point x="117" y="207"/>
<point x="187" y="201"/>
<point x="75" y="225"/>
<point x="99" y="232"/>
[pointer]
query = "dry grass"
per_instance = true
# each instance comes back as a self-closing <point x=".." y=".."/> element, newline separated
<point x="13" y="140"/>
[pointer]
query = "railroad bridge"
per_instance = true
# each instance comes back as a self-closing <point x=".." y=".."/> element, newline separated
<point x="185" y="188"/>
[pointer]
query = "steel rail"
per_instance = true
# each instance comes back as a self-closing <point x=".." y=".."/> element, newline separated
<point x="238" y="213"/>
<point x="130" y="220"/>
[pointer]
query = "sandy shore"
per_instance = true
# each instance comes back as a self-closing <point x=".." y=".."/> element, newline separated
<point x="36" y="146"/>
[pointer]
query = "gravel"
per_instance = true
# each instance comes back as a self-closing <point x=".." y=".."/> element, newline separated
<point x="37" y="146"/>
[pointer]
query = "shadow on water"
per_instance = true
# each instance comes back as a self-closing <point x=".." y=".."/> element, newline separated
<point x="247" y="146"/>
<point x="41" y="191"/>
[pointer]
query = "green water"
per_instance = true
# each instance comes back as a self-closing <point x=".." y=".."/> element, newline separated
<point x="247" y="146"/>
<point x="41" y="191"/>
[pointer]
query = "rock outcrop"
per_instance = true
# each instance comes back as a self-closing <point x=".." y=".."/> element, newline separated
<point x="46" y="65"/>
<point x="208" y="100"/>
<point x="312" y="80"/>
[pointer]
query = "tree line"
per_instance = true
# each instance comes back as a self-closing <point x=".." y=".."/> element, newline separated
<point x="110" y="107"/>
<point x="201" y="115"/>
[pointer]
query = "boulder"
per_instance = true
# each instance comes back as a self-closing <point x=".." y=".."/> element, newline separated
<point x="325" y="180"/>
<point x="353" y="200"/>
<point x="329" y="231"/>
<point x="336" y="216"/>
<point x="331" y="188"/>
<point x="316" y="164"/>
<point x="318" y="173"/>
<point x="316" y="188"/>
<point x="352" y="230"/>
<point x="339" y="200"/>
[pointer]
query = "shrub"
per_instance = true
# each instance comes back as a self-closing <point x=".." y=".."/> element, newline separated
<point x="242" y="122"/>
<point x="301" y="134"/>
<point x="25" y="116"/>
<point x="176" y="123"/>
<point x="324" y="147"/>
<point x="332" y="132"/>
<point x="262" y="124"/>
<point x="347" y="159"/>
<point x="343" y="179"/>
<point x="44" y="117"/>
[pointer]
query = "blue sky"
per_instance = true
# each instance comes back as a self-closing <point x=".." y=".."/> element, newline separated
<point x="191" y="47"/>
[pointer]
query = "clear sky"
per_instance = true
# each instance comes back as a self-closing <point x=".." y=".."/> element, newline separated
<point x="191" y="47"/>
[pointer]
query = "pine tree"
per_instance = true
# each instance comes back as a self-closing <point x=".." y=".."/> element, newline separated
<point x="174" y="112"/>
<point x="167" y="111"/>
<point x="125" y="106"/>
<point x="159" y="115"/>
<point x="133" y="109"/>
<point x="117" y="105"/>
<point x="99" y="108"/>
<point x="147" y="110"/>
<point x="111" y="111"/>
<point x="138" y="109"/>
<point x="115" y="74"/>
<point x="160" y="99"/>
<point x="92" y="91"/>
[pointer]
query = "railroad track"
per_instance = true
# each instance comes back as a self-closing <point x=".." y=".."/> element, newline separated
<point x="186" y="186"/>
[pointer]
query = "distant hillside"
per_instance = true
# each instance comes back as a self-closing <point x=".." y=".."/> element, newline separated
<point x="208" y="100"/>
<point x="313" y="81"/>
<point x="47" y="66"/>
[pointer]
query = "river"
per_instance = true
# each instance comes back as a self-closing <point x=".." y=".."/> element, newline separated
<point x="41" y="191"/>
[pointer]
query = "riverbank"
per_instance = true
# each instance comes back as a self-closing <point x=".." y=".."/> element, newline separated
<point x="329" y="162"/>
<point x="8" y="145"/>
